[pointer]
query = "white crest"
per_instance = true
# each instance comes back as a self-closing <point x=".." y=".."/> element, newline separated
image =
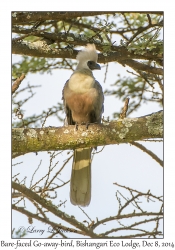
<point x="88" y="54"/>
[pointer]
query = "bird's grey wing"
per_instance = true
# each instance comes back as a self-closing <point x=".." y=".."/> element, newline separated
<point x="68" y="120"/>
<point x="99" y="104"/>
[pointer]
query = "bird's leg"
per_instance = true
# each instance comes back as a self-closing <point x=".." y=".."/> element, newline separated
<point x="76" y="126"/>
<point x="87" y="124"/>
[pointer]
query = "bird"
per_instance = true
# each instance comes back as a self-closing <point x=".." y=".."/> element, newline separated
<point x="83" y="101"/>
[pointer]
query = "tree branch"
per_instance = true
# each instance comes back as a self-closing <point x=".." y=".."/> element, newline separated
<point x="124" y="216"/>
<point x="76" y="39"/>
<point x="28" y="17"/>
<point x="141" y="29"/>
<point x="16" y="84"/>
<point x="70" y="38"/>
<point x="149" y="152"/>
<point x="141" y="66"/>
<point x="25" y="140"/>
<point x="131" y="227"/>
<point x="52" y="208"/>
<point x="41" y="49"/>
<point x="55" y="226"/>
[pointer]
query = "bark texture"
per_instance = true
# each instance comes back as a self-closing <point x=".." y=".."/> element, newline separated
<point x="25" y="140"/>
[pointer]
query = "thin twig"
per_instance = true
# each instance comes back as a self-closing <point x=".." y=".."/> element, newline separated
<point x="16" y="84"/>
<point x="155" y="157"/>
<point x="125" y="108"/>
<point x="106" y="71"/>
<point x="149" y="19"/>
<point x="35" y="173"/>
<point x="85" y="213"/>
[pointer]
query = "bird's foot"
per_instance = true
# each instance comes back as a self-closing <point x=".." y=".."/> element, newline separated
<point x="83" y="123"/>
<point x="76" y="126"/>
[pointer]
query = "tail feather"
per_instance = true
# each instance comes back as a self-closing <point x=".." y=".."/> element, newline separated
<point x="80" y="186"/>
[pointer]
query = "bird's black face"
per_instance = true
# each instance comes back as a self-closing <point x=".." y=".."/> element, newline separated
<point x="93" y="65"/>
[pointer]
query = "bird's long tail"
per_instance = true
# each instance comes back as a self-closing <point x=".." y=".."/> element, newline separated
<point x="80" y="185"/>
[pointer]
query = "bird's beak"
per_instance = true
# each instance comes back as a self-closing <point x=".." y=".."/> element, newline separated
<point x="97" y="66"/>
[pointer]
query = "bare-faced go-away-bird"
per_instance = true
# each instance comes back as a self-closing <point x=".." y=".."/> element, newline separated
<point x="83" y="101"/>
